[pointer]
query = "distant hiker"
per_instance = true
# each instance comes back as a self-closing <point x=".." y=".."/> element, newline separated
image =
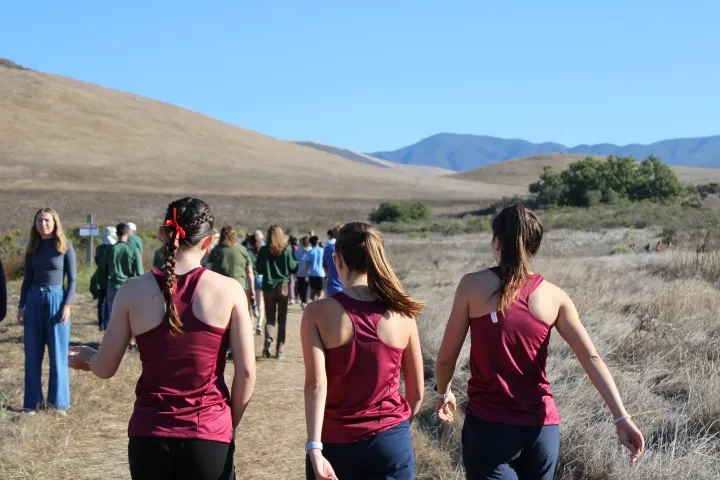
<point x="159" y="258"/>
<point x="658" y="246"/>
<point x="44" y="310"/>
<point x="647" y="248"/>
<point x="254" y="243"/>
<point x="3" y="293"/>
<point x="293" y="245"/>
<point x="102" y="256"/>
<point x="184" y="421"/>
<point x="124" y="262"/>
<point x="275" y="263"/>
<point x="512" y="424"/>
<point x="134" y="239"/>
<point x="333" y="282"/>
<point x="231" y="259"/>
<point x="302" y="273"/>
<point x="355" y="345"/>
<point x="314" y="265"/>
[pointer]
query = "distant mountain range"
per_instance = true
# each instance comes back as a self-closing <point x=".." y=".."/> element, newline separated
<point x="461" y="152"/>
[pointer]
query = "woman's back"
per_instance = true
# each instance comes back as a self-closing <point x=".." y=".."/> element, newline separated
<point x="509" y="349"/>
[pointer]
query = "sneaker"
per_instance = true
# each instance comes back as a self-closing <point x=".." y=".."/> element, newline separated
<point x="30" y="412"/>
<point x="258" y="330"/>
<point x="279" y="355"/>
<point x="266" y="353"/>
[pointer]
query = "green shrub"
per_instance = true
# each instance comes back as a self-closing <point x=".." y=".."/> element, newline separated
<point x="401" y="212"/>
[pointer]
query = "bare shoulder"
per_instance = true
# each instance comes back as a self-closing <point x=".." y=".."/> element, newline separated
<point x="324" y="306"/>
<point x="221" y="282"/>
<point x="547" y="288"/>
<point x="484" y="280"/>
<point x="140" y="283"/>
<point x="398" y="317"/>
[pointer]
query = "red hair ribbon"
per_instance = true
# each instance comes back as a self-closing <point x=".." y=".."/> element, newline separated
<point x="179" y="231"/>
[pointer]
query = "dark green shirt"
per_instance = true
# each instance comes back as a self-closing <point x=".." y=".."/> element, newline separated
<point x="102" y="254"/>
<point x="136" y="242"/>
<point x="231" y="261"/>
<point x="124" y="262"/>
<point x="275" y="270"/>
<point x="159" y="258"/>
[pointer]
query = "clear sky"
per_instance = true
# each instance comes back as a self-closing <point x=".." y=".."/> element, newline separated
<point x="378" y="75"/>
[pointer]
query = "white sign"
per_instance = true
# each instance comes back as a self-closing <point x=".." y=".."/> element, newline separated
<point x="89" y="230"/>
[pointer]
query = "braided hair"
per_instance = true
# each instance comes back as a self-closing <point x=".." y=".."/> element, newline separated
<point x="187" y="222"/>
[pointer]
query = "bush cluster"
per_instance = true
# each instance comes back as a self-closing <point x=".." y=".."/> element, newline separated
<point x="401" y="212"/>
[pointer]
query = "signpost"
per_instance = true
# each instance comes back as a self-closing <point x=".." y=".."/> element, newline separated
<point x="89" y="230"/>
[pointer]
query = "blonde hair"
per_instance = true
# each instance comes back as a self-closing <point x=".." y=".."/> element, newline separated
<point x="276" y="240"/>
<point x="60" y="241"/>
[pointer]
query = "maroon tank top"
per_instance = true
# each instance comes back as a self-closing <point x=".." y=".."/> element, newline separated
<point x="508" y="353"/>
<point x="181" y="392"/>
<point x="363" y="397"/>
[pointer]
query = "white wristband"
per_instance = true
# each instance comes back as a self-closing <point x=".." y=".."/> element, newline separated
<point x="621" y="419"/>
<point x="313" y="446"/>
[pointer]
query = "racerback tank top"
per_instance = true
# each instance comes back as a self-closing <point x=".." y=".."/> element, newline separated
<point x="363" y="397"/>
<point x="181" y="392"/>
<point x="508" y="354"/>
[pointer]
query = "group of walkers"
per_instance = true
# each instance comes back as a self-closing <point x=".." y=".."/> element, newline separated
<point x="356" y="340"/>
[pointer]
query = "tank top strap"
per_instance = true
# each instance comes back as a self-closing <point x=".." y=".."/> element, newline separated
<point x="361" y="311"/>
<point x="532" y="284"/>
<point x="187" y="285"/>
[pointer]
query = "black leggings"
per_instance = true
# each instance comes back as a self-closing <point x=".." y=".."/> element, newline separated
<point x="157" y="458"/>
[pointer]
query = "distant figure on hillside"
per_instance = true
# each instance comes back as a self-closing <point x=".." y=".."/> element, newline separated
<point x="124" y="262"/>
<point x="355" y="345"/>
<point x="3" y="293"/>
<point x="512" y="424"/>
<point x="302" y="273"/>
<point x="333" y="282"/>
<point x="275" y="262"/>
<point x="184" y="420"/>
<point x="658" y="246"/>
<point x="134" y="239"/>
<point x="314" y="265"/>
<point x="647" y="248"/>
<point x="102" y="256"/>
<point x="45" y="306"/>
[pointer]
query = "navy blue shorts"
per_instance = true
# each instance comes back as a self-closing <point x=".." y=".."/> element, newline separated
<point x="386" y="456"/>
<point x="500" y="451"/>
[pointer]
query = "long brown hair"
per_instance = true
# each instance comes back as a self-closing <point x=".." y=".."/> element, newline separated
<point x="58" y="233"/>
<point x="228" y="236"/>
<point x="520" y="234"/>
<point x="361" y="247"/>
<point x="196" y="219"/>
<point x="276" y="240"/>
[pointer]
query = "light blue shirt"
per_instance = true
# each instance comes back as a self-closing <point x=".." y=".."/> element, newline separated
<point x="315" y="257"/>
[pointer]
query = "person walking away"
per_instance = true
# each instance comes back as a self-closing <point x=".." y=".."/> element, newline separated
<point x="355" y="344"/>
<point x="184" y="419"/>
<point x="334" y="284"/>
<point x="124" y="263"/>
<point x="254" y="243"/>
<point x="302" y="273"/>
<point x="293" y="245"/>
<point x="231" y="259"/>
<point x="46" y="298"/>
<point x="134" y="239"/>
<point x="102" y="254"/>
<point x="159" y="258"/>
<point x="512" y="424"/>
<point x="3" y="293"/>
<point x="316" y="272"/>
<point x="275" y="262"/>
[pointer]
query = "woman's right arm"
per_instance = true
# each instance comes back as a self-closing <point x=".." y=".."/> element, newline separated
<point x="243" y="354"/>
<point x="573" y="332"/>
<point x="412" y="366"/>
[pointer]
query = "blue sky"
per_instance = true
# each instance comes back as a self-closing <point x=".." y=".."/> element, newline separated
<point x="379" y="75"/>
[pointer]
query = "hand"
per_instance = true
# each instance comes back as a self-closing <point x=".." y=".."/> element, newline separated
<point x="631" y="437"/>
<point x="21" y="315"/>
<point x="79" y="356"/>
<point x="322" y="468"/>
<point x="446" y="408"/>
<point x="67" y="310"/>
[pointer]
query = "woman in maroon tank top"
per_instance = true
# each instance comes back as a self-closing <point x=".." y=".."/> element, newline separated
<point x="183" y="318"/>
<point x="511" y="426"/>
<point x="354" y="344"/>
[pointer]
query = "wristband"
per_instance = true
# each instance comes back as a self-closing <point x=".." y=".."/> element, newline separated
<point x="444" y="396"/>
<point x="313" y="446"/>
<point x="621" y="419"/>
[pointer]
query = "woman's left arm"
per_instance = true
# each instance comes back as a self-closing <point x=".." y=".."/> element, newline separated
<point x="105" y="361"/>
<point x="70" y="268"/>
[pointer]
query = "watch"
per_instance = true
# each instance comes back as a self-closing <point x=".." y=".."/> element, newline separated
<point x="313" y="446"/>
<point x="444" y="396"/>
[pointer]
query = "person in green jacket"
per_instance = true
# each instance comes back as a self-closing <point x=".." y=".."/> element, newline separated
<point x="232" y="260"/>
<point x="124" y="262"/>
<point x="159" y="258"/>
<point x="275" y="262"/>
<point x="134" y="239"/>
<point x="102" y="254"/>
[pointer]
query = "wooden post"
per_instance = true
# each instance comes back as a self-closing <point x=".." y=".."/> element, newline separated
<point x="90" y="246"/>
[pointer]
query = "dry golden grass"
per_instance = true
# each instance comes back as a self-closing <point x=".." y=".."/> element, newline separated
<point x="62" y="134"/>
<point x="524" y="171"/>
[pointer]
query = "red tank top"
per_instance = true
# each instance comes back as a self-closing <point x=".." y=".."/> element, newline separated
<point x="508" y="353"/>
<point x="181" y="392"/>
<point x="363" y="397"/>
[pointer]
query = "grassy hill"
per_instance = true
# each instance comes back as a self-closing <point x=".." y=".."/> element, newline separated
<point x="465" y="152"/>
<point x="524" y="171"/>
<point x="61" y="134"/>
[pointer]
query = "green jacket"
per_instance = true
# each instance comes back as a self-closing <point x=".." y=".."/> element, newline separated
<point x="102" y="254"/>
<point x="136" y="242"/>
<point x="275" y="270"/>
<point x="124" y="262"/>
<point x="231" y="261"/>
